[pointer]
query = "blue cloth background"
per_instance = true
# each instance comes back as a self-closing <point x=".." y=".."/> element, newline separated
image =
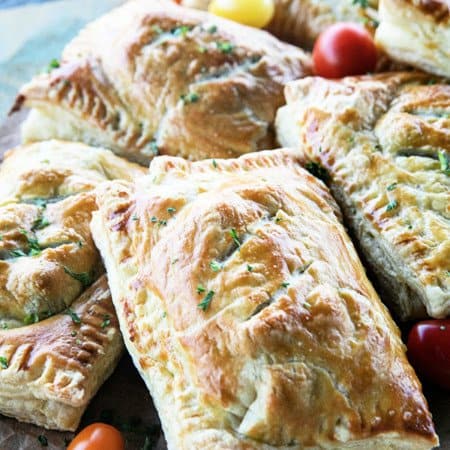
<point x="32" y="34"/>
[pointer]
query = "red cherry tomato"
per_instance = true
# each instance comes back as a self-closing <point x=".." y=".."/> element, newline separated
<point x="429" y="350"/>
<point x="344" y="49"/>
<point x="98" y="436"/>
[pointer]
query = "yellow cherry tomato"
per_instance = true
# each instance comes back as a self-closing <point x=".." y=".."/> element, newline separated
<point x="256" y="13"/>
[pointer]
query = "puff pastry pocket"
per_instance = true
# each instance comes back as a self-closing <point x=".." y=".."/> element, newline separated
<point x="384" y="142"/>
<point x="301" y="21"/>
<point x="248" y="313"/>
<point x="426" y="23"/>
<point x="50" y="370"/>
<point x="47" y="263"/>
<point x="153" y="77"/>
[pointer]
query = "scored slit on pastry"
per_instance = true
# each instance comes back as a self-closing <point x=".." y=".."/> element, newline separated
<point x="248" y="313"/>
<point x="59" y="337"/>
<point x="153" y="77"/>
<point x="384" y="142"/>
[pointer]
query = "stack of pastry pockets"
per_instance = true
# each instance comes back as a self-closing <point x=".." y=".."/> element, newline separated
<point x="248" y="313"/>
<point x="384" y="144"/>
<point x="59" y="337"/>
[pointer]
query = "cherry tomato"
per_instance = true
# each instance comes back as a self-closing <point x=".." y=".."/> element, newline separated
<point x="429" y="350"/>
<point x="98" y="436"/>
<point x="256" y="13"/>
<point x="344" y="49"/>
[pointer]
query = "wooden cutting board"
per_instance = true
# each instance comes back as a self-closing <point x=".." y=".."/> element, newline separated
<point x="124" y="400"/>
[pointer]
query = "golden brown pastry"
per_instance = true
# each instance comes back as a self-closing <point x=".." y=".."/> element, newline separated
<point x="152" y="76"/>
<point x="416" y="32"/>
<point x="51" y="367"/>
<point x="383" y="142"/>
<point x="248" y="313"/>
<point x="47" y="256"/>
<point x="301" y="21"/>
<point x="49" y="371"/>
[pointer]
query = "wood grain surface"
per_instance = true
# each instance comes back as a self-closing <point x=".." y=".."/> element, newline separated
<point x="124" y="399"/>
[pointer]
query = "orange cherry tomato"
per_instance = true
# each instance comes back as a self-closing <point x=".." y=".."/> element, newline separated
<point x="98" y="436"/>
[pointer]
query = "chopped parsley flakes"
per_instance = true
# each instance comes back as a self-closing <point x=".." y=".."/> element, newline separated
<point x="392" y="205"/>
<point x="73" y="315"/>
<point x="40" y="223"/>
<point x="249" y="268"/>
<point x="182" y="30"/>
<point x="391" y="187"/>
<point x="53" y="64"/>
<point x="225" y="47"/>
<point x="85" y="278"/>
<point x="191" y="97"/>
<point x="204" y="304"/>
<point x="285" y="284"/>
<point x="31" y="318"/>
<point x="444" y="160"/>
<point x="215" y="266"/>
<point x="200" y="289"/>
<point x="106" y="320"/>
<point x="3" y="362"/>
<point x="361" y="3"/>
<point x="235" y="237"/>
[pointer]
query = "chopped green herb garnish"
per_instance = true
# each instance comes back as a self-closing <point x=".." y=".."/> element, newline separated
<point x="212" y="29"/>
<point x="214" y="163"/>
<point x="204" y="304"/>
<point x="73" y="333"/>
<point x="162" y="222"/>
<point x="225" y="47"/>
<point x="285" y="284"/>
<point x="33" y="244"/>
<point x="391" y="205"/>
<point x="154" y="148"/>
<point x="78" y="342"/>
<point x="215" y="266"/>
<point x="235" y="237"/>
<point x="134" y="217"/>
<point x="53" y="64"/>
<point x="80" y="244"/>
<point x="73" y="315"/>
<point x="447" y="272"/>
<point x="1" y="237"/>
<point x="182" y="30"/>
<point x="45" y="161"/>
<point x="43" y="440"/>
<point x="171" y="210"/>
<point x="249" y="268"/>
<point x="317" y="170"/>
<point x="431" y="82"/>
<point x="154" y="219"/>
<point x="31" y="318"/>
<point x="175" y="261"/>
<point x="278" y="219"/>
<point x="361" y="3"/>
<point x="202" y="49"/>
<point x="40" y="223"/>
<point x="200" y="289"/>
<point x="3" y="362"/>
<point x="444" y="159"/>
<point x="4" y="326"/>
<point x="106" y="320"/>
<point x="191" y="97"/>
<point x="16" y="253"/>
<point x="85" y="278"/>
<point x="164" y="315"/>
<point x="391" y="187"/>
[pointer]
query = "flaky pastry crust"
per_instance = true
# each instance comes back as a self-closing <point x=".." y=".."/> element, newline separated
<point x="153" y="77"/>
<point x="385" y="142"/>
<point x="416" y="32"/>
<point x="51" y="367"/>
<point x="248" y="313"/>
